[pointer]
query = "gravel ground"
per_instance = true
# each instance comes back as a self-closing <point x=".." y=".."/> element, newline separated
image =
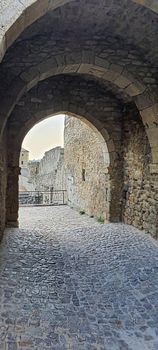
<point x="68" y="282"/>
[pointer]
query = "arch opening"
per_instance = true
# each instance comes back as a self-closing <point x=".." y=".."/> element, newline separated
<point x="79" y="171"/>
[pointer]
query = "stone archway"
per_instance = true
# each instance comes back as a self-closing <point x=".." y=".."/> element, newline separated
<point x="14" y="170"/>
<point x="71" y="106"/>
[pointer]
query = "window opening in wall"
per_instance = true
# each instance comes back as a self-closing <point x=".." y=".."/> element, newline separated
<point x="83" y="175"/>
<point x="22" y="162"/>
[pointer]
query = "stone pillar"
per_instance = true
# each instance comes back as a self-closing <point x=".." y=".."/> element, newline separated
<point x="12" y="204"/>
<point x="116" y="186"/>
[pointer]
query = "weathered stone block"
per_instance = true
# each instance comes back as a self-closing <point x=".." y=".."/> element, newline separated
<point x="150" y="115"/>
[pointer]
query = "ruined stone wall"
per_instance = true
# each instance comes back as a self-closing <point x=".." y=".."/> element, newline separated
<point x="33" y="167"/>
<point x="140" y="194"/>
<point x="51" y="171"/>
<point x="24" y="158"/>
<point x="24" y="183"/>
<point x="86" y="167"/>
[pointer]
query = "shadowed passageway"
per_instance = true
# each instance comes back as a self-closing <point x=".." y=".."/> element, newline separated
<point x="68" y="282"/>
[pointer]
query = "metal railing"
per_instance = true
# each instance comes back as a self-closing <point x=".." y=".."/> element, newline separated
<point x="35" y="198"/>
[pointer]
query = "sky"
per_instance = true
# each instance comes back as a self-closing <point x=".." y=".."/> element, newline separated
<point x="44" y="136"/>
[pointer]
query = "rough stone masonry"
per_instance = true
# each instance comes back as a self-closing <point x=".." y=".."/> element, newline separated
<point x="86" y="161"/>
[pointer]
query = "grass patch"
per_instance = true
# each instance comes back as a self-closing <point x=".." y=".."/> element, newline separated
<point x="82" y="212"/>
<point x="101" y="220"/>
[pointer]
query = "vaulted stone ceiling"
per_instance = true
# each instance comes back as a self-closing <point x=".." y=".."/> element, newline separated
<point x="121" y="30"/>
<point x="118" y="22"/>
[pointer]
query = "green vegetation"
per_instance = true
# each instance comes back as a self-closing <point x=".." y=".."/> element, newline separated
<point x="101" y="220"/>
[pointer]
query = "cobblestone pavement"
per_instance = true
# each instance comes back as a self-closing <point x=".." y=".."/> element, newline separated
<point x="68" y="282"/>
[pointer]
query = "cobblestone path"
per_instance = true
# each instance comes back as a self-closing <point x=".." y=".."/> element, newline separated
<point x="67" y="282"/>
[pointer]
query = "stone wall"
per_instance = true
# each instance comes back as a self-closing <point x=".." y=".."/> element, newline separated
<point x="33" y="167"/>
<point x="25" y="183"/>
<point x="44" y="175"/>
<point x="24" y="158"/>
<point x="140" y="193"/>
<point x="51" y="173"/>
<point x="86" y="167"/>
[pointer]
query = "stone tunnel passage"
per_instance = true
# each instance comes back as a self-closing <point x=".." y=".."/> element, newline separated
<point x="96" y="59"/>
<point x="77" y="284"/>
